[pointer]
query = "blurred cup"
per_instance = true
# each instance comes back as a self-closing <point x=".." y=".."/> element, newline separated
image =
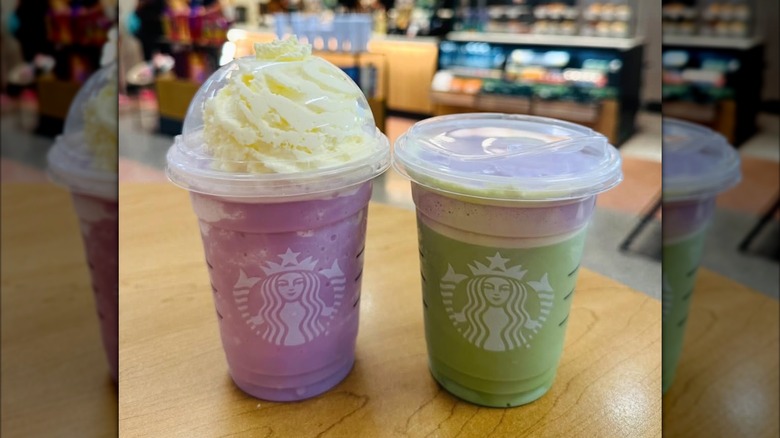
<point x="84" y="159"/>
<point x="698" y="164"/>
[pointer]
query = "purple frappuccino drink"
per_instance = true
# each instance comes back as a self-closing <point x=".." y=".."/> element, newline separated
<point x="286" y="283"/>
<point x="84" y="159"/>
<point x="278" y="152"/>
<point x="99" y="220"/>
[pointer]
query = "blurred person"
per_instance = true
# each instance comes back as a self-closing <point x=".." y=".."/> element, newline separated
<point x="31" y="29"/>
<point x="149" y="26"/>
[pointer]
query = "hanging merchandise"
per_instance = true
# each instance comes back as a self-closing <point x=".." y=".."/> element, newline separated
<point x="59" y="25"/>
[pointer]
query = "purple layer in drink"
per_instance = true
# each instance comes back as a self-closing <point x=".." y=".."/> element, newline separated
<point x="278" y="152"/>
<point x="99" y="226"/>
<point x="286" y="281"/>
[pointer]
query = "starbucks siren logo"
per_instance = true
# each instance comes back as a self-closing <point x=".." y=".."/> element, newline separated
<point x="288" y="308"/>
<point x="497" y="314"/>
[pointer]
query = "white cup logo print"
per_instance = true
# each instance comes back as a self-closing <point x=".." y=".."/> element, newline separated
<point x="496" y="314"/>
<point x="667" y="296"/>
<point x="291" y="311"/>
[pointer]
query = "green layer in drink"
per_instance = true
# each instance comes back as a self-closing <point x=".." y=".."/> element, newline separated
<point x="680" y="261"/>
<point x="495" y="317"/>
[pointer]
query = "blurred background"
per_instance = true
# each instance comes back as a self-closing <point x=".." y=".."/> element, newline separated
<point x="608" y="64"/>
<point x="603" y="64"/>
<point x="720" y="71"/>
<point x="56" y="378"/>
<point x="593" y="63"/>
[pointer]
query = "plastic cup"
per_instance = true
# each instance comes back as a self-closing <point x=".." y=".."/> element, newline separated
<point x="284" y="253"/>
<point x="99" y="221"/>
<point x="698" y="164"/>
<point x="71" y="163"/>
<point x="503" y="203"/>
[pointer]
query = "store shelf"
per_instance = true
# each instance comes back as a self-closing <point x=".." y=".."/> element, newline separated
<point x="405" y="39"/>
<point x="475" y="72"/>
<point x="698" y="112"/>
<point x="504" y="104"/>
<point x="720" y="116"/>
<point x="711" y="42"/>
<point x="571" y="111"/>
<point x="727" y="102"/>
<point x="547" y="40"/>
<point x="546" y="89"/>
<point x="566" y="110"/>
<point x="454" y="99"/>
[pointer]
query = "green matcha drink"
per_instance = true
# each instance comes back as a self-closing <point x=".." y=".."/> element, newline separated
<point x="680" y="261"/>
<point x="503" y="203"/>
<point x="496" y="307"/>
<point x="698" y="164"/>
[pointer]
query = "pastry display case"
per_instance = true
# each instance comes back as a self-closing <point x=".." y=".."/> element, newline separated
<point x="711" y="53"/>
<point x="595" y="83"/>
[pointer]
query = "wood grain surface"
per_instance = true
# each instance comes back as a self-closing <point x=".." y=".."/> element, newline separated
<point x="55" y="378"/>
<point x="727" y="379"/>
<point x="174" y="380"/>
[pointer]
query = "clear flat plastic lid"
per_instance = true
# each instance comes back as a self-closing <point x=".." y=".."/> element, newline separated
<point x="696" y="161"/>
<point x="277" y="128"/>
<point x="508" y="157"/>
<point x="84" y="156"/>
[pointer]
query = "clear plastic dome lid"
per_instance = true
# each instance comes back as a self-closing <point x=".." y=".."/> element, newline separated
<point x="84" y="157"/>
<point x="508" y="157"/>
<point x="696" y="161"/>
<point x="78" y="114"/>
<point x="277" y="128"/>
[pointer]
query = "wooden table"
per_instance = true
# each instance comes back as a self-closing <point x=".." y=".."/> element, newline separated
<point x="727" y="379"/>
<point x="173" y="374"/>
<point x="55" y="374"/>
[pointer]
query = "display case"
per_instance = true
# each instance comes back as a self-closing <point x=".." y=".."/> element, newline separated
<point x="709" y="18"/>
<point x="604" y="18"/>
<point x="711" y="59"/>
<point x="588" y="80"/>
<point x="714" y="85"/>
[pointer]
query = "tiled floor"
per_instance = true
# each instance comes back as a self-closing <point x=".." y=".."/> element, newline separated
<point x="752" y="196"/>
<point x="641" y="185"/>
<point x="134" y="171"/>
<point x="142" y="159"/>
<point x="765" y="143"/>
<point x="12" y="170"/>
